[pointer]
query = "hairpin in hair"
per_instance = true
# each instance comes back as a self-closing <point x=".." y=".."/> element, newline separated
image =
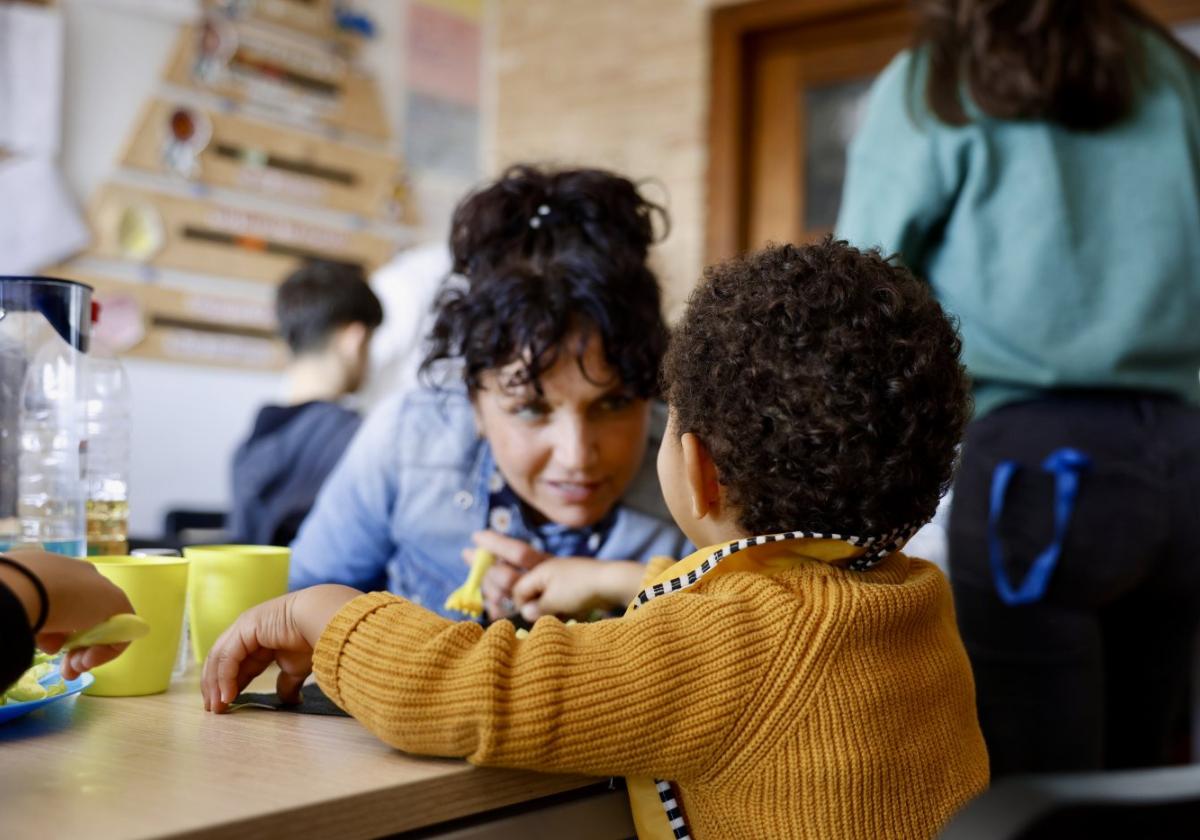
<point x="536" y="221"/>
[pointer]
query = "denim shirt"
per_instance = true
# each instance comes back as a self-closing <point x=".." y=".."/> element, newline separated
<point x="401" y="505"/>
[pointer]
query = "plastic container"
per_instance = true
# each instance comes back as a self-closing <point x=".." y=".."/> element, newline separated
<point x="50" y="501"/>
<point x="45" y="327"/>
<point x="107" y="447"/>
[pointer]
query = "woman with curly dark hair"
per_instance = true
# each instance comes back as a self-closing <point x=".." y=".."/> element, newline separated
<point x="1039" y="164"/>
<point x="531" y="432"/>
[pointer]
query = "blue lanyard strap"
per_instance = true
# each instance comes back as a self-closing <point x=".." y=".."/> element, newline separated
<point x="1067" y="465"/>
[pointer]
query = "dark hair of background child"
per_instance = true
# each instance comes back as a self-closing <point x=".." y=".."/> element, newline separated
<point x="318" y="298"/>
<point x="826" y="383"/>
<point x="1035" y="60"/>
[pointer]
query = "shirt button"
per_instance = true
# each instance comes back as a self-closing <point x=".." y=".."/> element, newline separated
<point x="463" y="499"/>
<point x="594" y="543"/>
<point x="500" y="519"/>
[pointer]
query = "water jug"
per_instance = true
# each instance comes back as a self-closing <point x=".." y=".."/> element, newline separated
<point x="45" y="326"/>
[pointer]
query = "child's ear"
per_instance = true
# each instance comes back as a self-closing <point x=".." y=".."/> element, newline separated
<point x="701" y="472"/>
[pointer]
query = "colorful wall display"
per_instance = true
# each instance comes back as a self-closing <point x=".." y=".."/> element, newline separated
<point x="192" y="234"/>
<point x="266" y="148"/>
<point x="149" y="321"/>
<point x="276" y="68"/>
<point x="232" y="150"/>
<point x="314" y="17"/>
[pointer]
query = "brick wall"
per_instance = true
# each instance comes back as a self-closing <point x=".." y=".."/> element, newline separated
<point x="616" y="83"/>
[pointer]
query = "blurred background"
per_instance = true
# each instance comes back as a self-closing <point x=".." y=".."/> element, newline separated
<point x="184" y="156"/>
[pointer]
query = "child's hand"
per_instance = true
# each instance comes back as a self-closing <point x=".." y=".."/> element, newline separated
<point x="283" y="630"/>
<point x="514" y="558"/>
<point x="574" y="585"/>
<point x="79" y="598"/>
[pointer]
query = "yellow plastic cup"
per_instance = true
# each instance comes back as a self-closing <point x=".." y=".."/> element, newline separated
<point x="226" y="580"/>
<point x="156" y="588"/>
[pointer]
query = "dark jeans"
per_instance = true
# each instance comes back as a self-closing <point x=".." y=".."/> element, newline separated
<point x="1094" y="674"/>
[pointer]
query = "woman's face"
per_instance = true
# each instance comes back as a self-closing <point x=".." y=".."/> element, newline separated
<point x="572" y="450"/>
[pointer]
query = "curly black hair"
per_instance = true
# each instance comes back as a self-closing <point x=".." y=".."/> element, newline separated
<point x="519" y="311"/>
<point x="826" y="384"/>
<point x="536" y="213"/>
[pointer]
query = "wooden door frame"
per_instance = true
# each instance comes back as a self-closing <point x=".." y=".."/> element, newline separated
<point x="833" y="50"/>
<point x="730" y="97"/>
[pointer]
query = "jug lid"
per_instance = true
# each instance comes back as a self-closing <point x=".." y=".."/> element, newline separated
<point x="65" y="304"/>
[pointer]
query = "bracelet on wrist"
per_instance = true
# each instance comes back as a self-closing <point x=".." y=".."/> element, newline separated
<point x="43" y="597"/>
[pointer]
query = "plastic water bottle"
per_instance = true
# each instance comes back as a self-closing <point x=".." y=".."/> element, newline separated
<point x="107" y="451"/>
<point x="50" y="491"/>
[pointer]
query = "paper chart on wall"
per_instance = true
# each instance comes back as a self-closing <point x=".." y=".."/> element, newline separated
<point x="39" y="222"/>
<point x="31" y="60"/>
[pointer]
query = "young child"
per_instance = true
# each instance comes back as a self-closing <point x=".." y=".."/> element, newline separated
<point x="326" y="314"/>
<point x="797" y="677"/>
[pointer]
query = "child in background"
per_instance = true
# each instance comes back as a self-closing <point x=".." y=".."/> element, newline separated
<point x="798" y="677"/>
<point x="326" y="314"/>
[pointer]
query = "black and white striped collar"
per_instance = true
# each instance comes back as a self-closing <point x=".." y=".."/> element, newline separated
<point x="875" y="549"/>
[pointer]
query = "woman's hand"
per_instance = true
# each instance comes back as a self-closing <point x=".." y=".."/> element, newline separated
<point x="79" y="598"/>
<point x="575" y="585"/>
<point x="283" y="630"/>
<point x="514" y="558"/>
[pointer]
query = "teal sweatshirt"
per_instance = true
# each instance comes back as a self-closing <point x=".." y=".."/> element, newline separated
<point x="1070" y="259"/>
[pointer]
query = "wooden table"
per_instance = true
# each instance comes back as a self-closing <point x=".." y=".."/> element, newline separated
<point x="159" y="766"/>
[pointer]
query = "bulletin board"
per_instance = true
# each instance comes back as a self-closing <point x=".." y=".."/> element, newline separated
<point x="264" y="147"/>
<point x="231" y="150"/>
<point x="198" y="235"/>
<point x="150" y="321"/>
<point x="243" y="61"/>
<point x="314" y="17"/>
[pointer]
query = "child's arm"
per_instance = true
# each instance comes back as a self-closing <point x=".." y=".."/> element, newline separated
<point x="539" y="584"/>
<point x="654" y="694"/>
<point x="575" y="585"/>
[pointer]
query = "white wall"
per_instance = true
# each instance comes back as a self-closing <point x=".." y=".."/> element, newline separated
<point x="187" y="420"/>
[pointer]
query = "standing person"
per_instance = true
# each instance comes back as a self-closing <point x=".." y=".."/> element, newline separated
<point x="1039" y="164"/>
<point x="326" y="314"/>
<point x="531" y="440"/>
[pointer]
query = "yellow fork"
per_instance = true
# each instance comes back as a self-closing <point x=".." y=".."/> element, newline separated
<point x="468" y="598"/>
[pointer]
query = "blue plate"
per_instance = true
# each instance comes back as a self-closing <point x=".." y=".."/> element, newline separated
<point x="10" y="711"/>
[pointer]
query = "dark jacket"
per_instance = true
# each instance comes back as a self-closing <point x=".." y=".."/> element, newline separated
<point x="278" y="471"/>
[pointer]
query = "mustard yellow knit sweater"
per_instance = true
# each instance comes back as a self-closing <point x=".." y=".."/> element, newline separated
<point x="817" y="702"/>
